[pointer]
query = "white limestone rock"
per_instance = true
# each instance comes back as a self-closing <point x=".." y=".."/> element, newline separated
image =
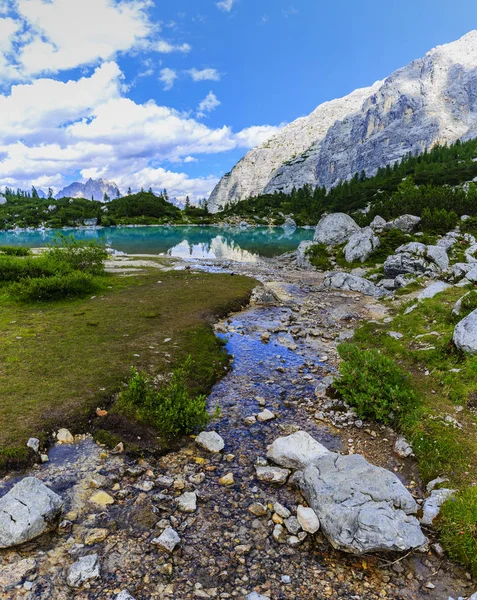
<point x="432" y="505"/>
<point x="432" y="290"/>
<point x="85" y="569"/>
<point x="361" y="508"/>
<point x="27" y="511"/>
<point x="124" y="595"/>
<point x="187" y="503"/>
<point x="378" y="223"/>
<point x="272" y="474"/>
<point x="308" y="520"/>
<point x="361" y="245"/>
<point x="91" y="190"/>
<point x="295" y="451"/>
<point x="168" y="540"/>
<point x="405" y="223"/>
<point x="351" y="283"/>
<point x="335" y="229"/>
<point x="465" y="333"/>
<point x="210" y="441"/>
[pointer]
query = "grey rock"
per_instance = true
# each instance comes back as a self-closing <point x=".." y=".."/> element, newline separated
<point x="289" y="225"/>
<point x="292" y="525"/>
<point x="472" y="274"/>
<point x="400" y="264"/>
<point x="281" y="510"/>
<point x="296" y="450"/>
<point x="395" y="335"/>
<point x="438" y="255"/>
<point x="28" y="510"/>
<point x="459" y="270"/>
<point x="405" y="223"/>
<point x="387" y="284"/>
<point x="402" y="447"/>
<point x="308" y="520"/>
<point x="335" y="229"/>
<point x="34" y="444"/>
<point x="402" y="281"/>
<point x="351" y="283"/>
<point x="361" y="507"/>
<point x="361" y="245"/>
<point x="465" y="333"/>
<point x="210" y="441"/>
<point x="458" y="305"/>
<point x="13" y="574"/>
<point x="378" y="223"/>
<point x="168" y="540"/>
<point x="85" y="569"/>
<point x="432" y="484"/>
<point x="256" y="596"/>
<point x="432" y="290"/>
<point x="432" y="505"/>
<point x="187" y="503"/>
<point x="272" y="474"/>
<point x="302" y="260"/>
<point x="124" y="595"/>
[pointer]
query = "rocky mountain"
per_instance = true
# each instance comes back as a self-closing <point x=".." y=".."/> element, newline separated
<point x="432" y="100"/>
<point x="91" y="190"/>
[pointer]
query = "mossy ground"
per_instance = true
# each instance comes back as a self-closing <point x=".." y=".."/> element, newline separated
<point x="60" y="361"/>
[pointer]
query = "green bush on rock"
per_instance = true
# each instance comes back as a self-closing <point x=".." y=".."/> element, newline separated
<point x="319" y="257"/>
<point x="374" y="385"/>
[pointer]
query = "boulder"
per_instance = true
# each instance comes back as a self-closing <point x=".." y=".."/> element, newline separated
<point x="335" y="229"/>
<point x="433" y="289"/>
<point x="472" y="274"/>
<point x="406" y="223"/>
<point x="378" y="223"/>
<point x="295" y="451"/>
<point x="302" y="260"/>
<point x="417" y="259"/>
<point x="438" y="255"/>
<point x="361" y="507"/>
<point x="470" y="254"/>
<point x="28" y="510"/>
<point x="432" y="505"/>
<point x="458" y="305"/>
<point x="210" y="441"/>
<point x="460" y="270"/>
<point x="85" y="569"/>
<point x="289" y="226"/>
<point x="361" y="245"/>
<point x="465" y="333"/>
<point x="351" y="283"/>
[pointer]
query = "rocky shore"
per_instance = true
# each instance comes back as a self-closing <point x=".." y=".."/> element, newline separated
<point x="228" y="522"/>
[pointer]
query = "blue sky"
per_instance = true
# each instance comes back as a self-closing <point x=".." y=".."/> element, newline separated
<point x="172" y="94"/>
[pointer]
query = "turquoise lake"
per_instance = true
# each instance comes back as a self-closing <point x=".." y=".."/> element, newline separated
<point x="240" y="244"/>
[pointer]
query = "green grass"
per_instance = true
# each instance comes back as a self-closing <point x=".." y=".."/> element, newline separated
<point x="319" y="257"/>
<point x="60" y="361"/>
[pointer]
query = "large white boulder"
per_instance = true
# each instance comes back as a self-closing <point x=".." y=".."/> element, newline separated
<point x="433" y="289"/>
<point x="335" y="229"/>
<point x="417" y="259"/>
<point x="28" y="510"/>
<point x="378" y="223"/>
<point x="361" y="245"/>
<point x="295" y="451"/>
<point x="353" y="283"/>
<point x="361" y="507"/>
<point x="302" y="260"/>
<point x="465" y="333"/>
<point x="405" y="223"/>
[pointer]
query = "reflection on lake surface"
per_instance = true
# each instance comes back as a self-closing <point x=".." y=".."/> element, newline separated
<point x="244" y="245"/>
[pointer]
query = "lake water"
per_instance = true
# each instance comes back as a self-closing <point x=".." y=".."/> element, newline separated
<point x="240" y="244"/>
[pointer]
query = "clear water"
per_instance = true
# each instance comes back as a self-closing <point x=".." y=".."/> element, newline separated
<point x="240" y="244"/>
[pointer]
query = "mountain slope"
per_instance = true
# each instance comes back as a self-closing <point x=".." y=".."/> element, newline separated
<point x="432" y="100"/>
<point x="91" y="190"/>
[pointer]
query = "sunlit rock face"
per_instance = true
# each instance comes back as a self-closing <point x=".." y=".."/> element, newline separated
<point x="432" y="100"/>
<point x="91" y="190"/>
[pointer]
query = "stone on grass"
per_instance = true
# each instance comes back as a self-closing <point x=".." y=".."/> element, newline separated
<point x="433" y="290"/>
<point x="361" y="245"/>
<point x="34" y="444"/>
<point x="405" y="223"/>
<point x="168" y="540"/>
<point x="28" y="510"/>
<point x="352" y="283"/>
<point x="335" y="229"/>
<point x="64" y="437"/>
<point x="402" y="447"/>
<point x="296" y="450"/>
<point x="432" y="505"/>
<point x="378" y="223"/>
<point x="308" y="520"/>
<point x="465" y="333"/>
<point x="210" y="441"/>
<point x="272" y="474"/>
<point x="85" y="569"/>
<point x="187" y="503"/>
<point x="361" y="507"/>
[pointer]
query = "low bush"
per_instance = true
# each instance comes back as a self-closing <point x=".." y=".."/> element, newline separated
<point x="458" y="527"/>
<point x="69" y="254"/>
<point x="14" y="268"/>
<point x="15" y="251"/>
<point x="469" y="303"/>
<point x="319" y="257"/>
<point x="171" y="410"/>
<point x="374" y="385"/>
<point x="56" y="287"/>
<point x="438" y="220"/>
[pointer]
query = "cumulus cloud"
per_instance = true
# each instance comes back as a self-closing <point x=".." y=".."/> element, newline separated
<point x="204" y="74"/>
<point x="168" y="77"/>
<point x="166" y="48"/>
<point x="225" y="5"/>
<point x="208" y="104"/>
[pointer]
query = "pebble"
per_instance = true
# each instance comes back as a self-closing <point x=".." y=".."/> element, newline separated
<point x="210" y="441"/>
<point x="64" y="437"/>
<point x="307" y="519"/>
<point x="272" y="474"/>
<point x="187" y="503"/>
<point x="257" y="509"/>
<point x="101" y="499"/>
<point x="227" y="480"/>
<point x="168" y="540"/>
<point x="281" y="510"/>
<point x="95" y="536"/>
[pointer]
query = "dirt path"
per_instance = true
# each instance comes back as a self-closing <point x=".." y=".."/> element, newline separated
<point x="282" y="349"/>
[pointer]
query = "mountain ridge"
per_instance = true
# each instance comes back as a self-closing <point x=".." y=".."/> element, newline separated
<point x="432" y="100"/>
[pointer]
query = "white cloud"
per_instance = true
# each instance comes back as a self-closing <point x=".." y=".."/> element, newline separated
<point x="168" y="77"/>
<point x="208" y="104"/>
<point x="225" y="5"/>
<point x="166" y="48"/>
<point x="204" y="74"/>
<point x="256" y="135"/>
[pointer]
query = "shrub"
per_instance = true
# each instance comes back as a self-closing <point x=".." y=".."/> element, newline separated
<point x="69" y="254"/>
<point x="458" y="527"/>
<point x="56" y="287"/>
<point x="15" y="251"/>
<point x="438" y="220"/>
<point x="469" y="303"/>
<point x="319" y="257"/>
<point x="374" y="385"/>
<point x="13" y="268"/>
<point x="171" y="410"/>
